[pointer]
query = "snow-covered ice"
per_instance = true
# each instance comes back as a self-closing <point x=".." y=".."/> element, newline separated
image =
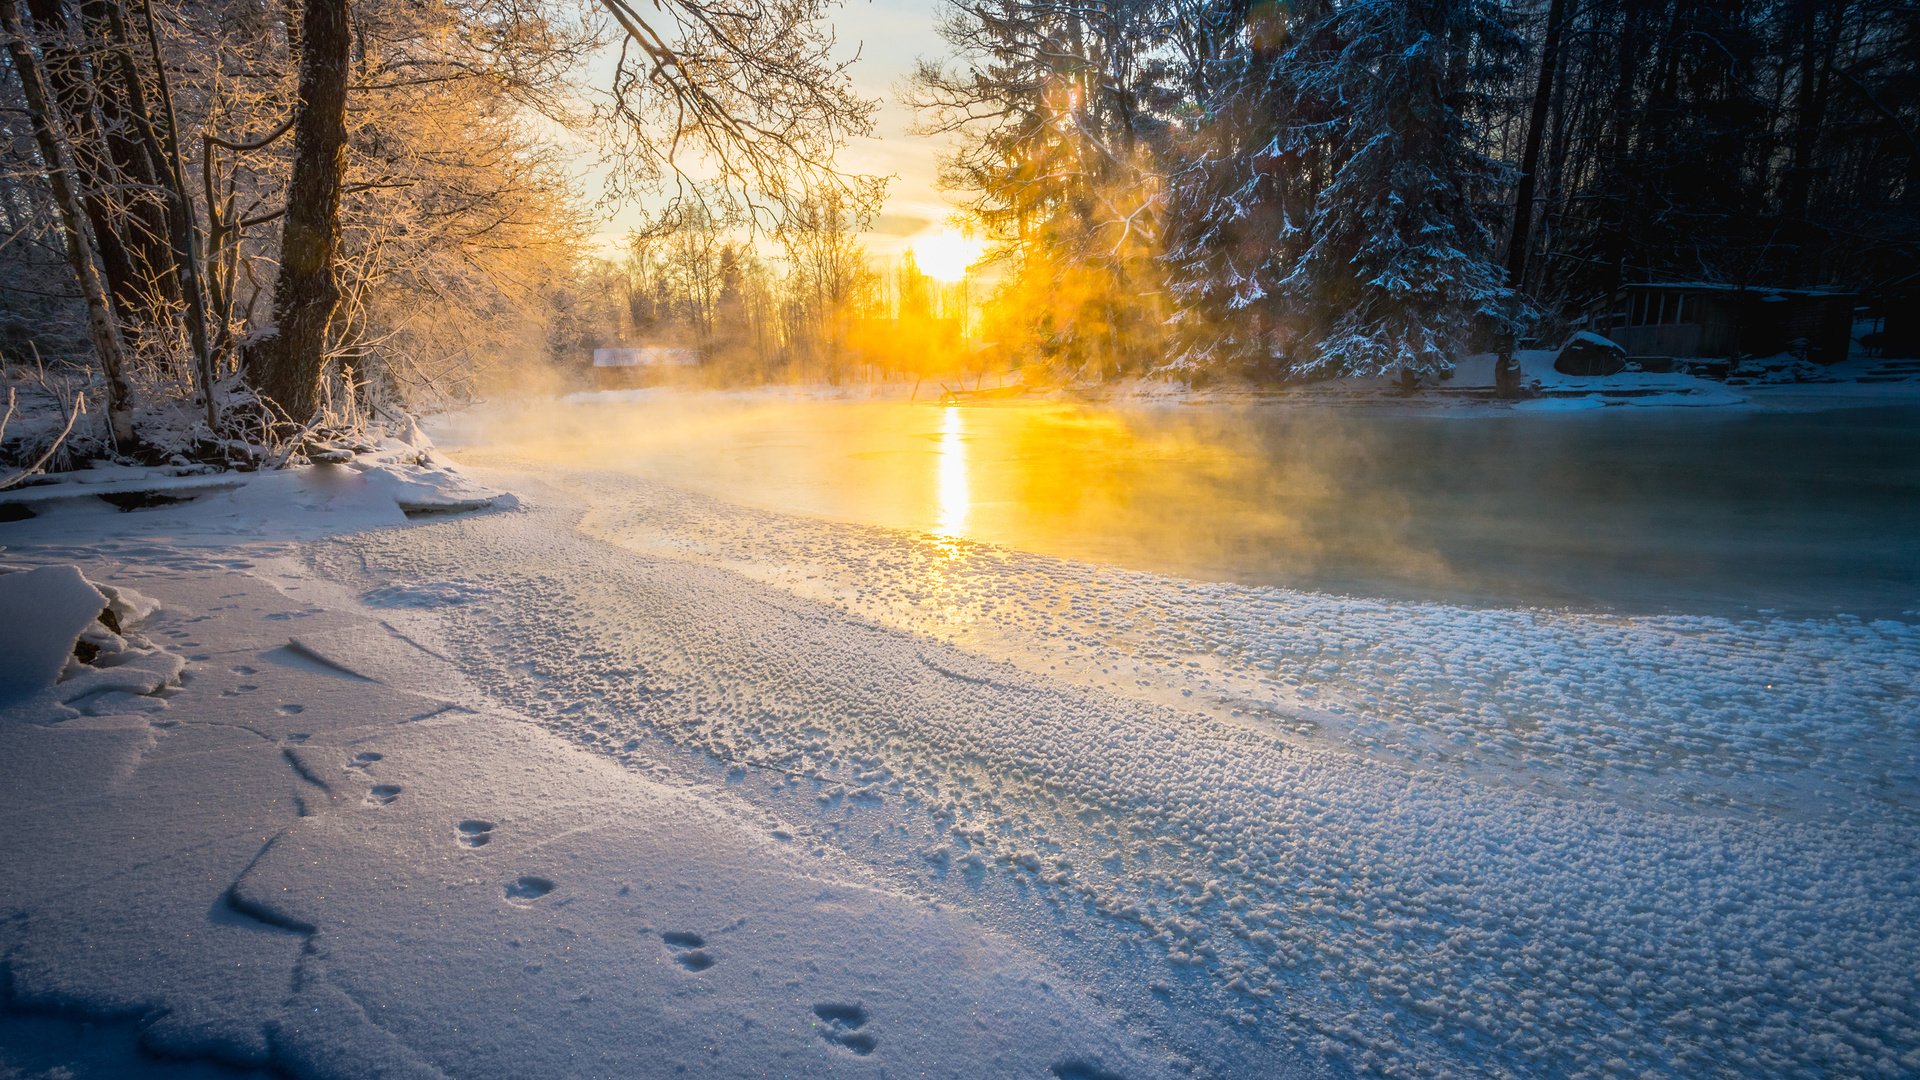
<point x="316" y="848"/>
<point x="51" y="606"/>
<point x="619" y="779"/>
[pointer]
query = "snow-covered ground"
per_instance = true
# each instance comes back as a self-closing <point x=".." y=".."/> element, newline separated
<point x="301" y="838"/>
<point x="616" y="779"/>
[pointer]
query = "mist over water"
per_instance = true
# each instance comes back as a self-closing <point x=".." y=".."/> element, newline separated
<point x="1813" y="513"/>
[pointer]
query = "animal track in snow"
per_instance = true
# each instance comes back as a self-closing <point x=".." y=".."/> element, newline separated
<point x="382" y="794"/>
<point x="687" y="949"/>
<point x="298" y="737"/>
<point x="292" y="710"/>
<point x="695" y="959"/>
<point x="1076" y="1069"/>
<point x="475" y="833"/>
<point x="840" y="1025"/>
<point x="528" y="889"/>
<point x="361" y="761"/>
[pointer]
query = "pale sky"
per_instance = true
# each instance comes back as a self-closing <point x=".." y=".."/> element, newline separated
<point x="889" y="36"/>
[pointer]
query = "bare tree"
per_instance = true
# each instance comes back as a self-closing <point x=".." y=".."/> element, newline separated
<point x="57" y="156"/>
<point x="286" y="364"/>
<point x="748" y="88"/>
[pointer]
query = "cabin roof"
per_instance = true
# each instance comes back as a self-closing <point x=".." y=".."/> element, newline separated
<point x="645" y="356"/>
<point x="1723" y="287"/>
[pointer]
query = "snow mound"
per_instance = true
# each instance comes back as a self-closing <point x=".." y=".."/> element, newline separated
<point x="418" y="483"/>
<point x="48" y="609"/>
<point x="75" y="650"/>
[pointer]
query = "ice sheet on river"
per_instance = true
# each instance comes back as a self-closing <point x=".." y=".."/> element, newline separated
<point x="1566" y="844"/>
<point x="1811" y="717"/>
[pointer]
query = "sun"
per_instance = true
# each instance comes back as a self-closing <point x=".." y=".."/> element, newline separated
<point x="945" y="255"/>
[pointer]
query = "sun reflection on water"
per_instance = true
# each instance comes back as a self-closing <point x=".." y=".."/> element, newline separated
<point x="953" y="499"/>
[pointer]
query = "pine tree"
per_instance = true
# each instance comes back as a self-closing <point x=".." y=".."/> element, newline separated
<point x="1396" y="270"/>
<point x="1240" y="185"/>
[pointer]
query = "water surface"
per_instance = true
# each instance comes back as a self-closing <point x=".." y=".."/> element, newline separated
<point x="1727" y="511"/>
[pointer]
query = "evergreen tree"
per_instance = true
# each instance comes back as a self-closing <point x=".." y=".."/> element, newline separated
<point x="1233" y="198"/>
<point x="1396" y="272"/>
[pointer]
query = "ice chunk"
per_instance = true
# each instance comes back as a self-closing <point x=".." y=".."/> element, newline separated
<point x="42" y="613"/>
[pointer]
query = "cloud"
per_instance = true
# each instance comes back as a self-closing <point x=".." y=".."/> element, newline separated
<point x="897" y="224"/>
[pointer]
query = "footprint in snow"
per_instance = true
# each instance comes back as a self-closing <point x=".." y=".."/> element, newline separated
<point x="1076" y="1069"/>
<point x="528" y="889"/>
<point x="361" y="761"/>
<point x="840" y="1025"/>
<point x="382" y="794"/>
<point x="688" y="949"/>
<point x="475" y="833"/>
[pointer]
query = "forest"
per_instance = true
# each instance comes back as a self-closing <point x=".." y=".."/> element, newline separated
<point x="959" y="539"/>
<point x="231" y="227"/>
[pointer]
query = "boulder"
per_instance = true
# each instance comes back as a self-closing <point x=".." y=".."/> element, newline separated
<point x="1589" y="354"/>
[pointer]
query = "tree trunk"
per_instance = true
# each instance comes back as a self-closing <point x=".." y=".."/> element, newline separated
<point x="183" y="231"/>
<point x="58" y="158"/>
<point x="1619" y="183"/>
<point x="1519" y="241"/>
<point x="1810" y="108"/>
<point x="64" y="72"/>
<point x="129" y="138"/>
<point x="286" y="366"/>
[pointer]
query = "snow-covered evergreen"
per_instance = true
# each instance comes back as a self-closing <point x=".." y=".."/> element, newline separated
<point x="1396" y="269"/>
<point x="1229" y="228"/>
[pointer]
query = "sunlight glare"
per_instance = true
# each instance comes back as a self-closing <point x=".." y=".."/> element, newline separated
<point x="946" y="255"/>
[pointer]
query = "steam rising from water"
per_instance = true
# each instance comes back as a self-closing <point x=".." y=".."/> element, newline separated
<point x="1810" y="513"/>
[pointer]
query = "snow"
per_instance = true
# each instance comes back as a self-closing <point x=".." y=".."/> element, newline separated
<point x="1708" y="397"/>
<point x="119" y="480"/>
<point x="48" y="607"/>
<point x="1561" y="404"/>
<point x="616" y="779"/>
<point x="1638" y="389"/>
<point x="319" y="849"/>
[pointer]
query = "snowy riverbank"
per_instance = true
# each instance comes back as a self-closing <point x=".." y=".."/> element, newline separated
<point x="623" y="778"/>
<point x="323" y="850"/>
<point x="1770" y="383"/>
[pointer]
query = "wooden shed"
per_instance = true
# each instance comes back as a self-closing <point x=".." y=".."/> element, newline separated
<point x="617" y="368"/>
<point x="1702" y="319"/>
<point x="1900" y="322"/>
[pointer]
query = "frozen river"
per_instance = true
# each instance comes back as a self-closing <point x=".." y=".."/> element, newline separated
<point x="1632" y="511"/>
<point x="1316" y="743"/>
<point x="1255" y="742"/>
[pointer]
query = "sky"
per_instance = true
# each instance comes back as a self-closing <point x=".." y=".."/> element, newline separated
<point x="888" y="37"/>
<point x="891" y="36"/>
